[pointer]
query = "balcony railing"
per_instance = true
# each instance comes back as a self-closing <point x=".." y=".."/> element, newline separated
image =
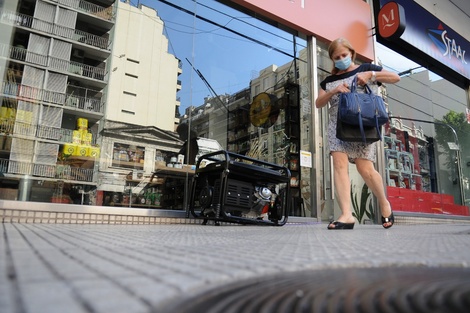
<point x="14" y="18"/>
<point x="75" y="97"/>
<point x="40" y="131"/>
<point x="21" y="54"/>
<point x="87" y="7"/>
<point x="59" y="171"/>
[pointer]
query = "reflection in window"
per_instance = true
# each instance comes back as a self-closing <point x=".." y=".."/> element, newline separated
<point x="128" y="156"/>
<point x="423" y="154"/>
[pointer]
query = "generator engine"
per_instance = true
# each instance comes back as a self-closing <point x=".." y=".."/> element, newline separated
<point x="238" y="189"/>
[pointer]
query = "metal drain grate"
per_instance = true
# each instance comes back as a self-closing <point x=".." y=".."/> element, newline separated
<point x="373" y="290"/>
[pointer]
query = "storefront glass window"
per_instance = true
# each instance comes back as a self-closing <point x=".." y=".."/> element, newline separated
<point x="426" y="142"/>
<point x="239" y="83"/>
<point x="244" y="85"/>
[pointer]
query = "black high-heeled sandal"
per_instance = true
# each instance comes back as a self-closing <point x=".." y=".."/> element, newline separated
<point x="340" y="225"/>
<point x="390" y="219"/>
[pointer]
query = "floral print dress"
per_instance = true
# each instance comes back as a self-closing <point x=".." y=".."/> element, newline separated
<point x="354" y="150"/>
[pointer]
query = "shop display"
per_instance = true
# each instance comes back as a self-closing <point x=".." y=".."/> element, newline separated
<point x="292" y="129"/>
<point x="128" y="156"/>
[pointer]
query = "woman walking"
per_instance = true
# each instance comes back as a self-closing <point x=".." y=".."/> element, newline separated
<point x="363" y="155"/>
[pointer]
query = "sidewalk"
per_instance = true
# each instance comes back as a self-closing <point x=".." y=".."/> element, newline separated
<point x="151" y="268"/>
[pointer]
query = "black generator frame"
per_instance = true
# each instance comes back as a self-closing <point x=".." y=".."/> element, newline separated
<point x="242" y="172"/>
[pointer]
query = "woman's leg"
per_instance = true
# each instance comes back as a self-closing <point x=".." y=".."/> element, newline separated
<point x="374" y="181"/>
<point x="342" y="186"/>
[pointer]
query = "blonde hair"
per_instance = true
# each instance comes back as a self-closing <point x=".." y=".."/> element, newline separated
<point x="340" y="42"/>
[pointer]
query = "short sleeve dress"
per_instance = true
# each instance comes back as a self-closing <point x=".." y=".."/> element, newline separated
<point x="354" y="150"/>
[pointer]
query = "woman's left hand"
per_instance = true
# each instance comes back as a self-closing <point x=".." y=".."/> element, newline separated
<point x="363" y="78"/>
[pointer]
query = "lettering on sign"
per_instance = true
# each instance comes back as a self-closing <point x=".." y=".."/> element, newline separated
<point x="388" y="20"/>
<point x="452" y="48"/>
<point x="449" y="46"/>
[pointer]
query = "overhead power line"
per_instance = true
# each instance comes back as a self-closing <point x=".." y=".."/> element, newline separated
<point x="225" y="27"/>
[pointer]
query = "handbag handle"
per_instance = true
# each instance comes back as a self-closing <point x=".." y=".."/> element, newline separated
<point x="353" y="86"/>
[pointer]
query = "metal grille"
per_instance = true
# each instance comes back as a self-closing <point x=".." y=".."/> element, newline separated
<point x="16" y="167"/>
<point x="239" y="194"/>
<point x="339" y="290"/>
<point x="44" y="170"/>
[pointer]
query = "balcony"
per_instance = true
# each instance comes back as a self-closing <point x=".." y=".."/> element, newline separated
<point x="87" y="7"/>
<point x="62" y="135"/>
<point x="14" y="18"/>
<point x="78" y="98"/>
<point x="58" y="171"/>
<point x="178" y="85"/>
<point x="21" y="54"/>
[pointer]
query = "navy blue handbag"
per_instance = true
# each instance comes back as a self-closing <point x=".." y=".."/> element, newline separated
<point x="364" y="110"/>
<point x="352" y="133"/>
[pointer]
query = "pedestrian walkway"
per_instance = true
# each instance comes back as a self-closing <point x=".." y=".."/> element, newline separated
<point x="150" y="268"/>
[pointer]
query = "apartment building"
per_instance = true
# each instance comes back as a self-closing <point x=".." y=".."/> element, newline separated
<point x="141" y="108"/>
<point x="59" y="99"/>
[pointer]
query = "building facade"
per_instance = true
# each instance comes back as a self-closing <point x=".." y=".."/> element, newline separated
<point x="274" y="64"/>
<point x="144" y="76"/>
<point x="53" y="96"/>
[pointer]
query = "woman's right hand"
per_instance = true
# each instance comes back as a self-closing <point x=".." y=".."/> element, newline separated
<point x="341" y="89"/>
<point x="324" y="96"/>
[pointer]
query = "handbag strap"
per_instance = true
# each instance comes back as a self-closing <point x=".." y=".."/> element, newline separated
<point x="353" y="86"/>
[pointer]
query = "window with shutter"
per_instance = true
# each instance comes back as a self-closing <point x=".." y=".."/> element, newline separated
<point x="66" y="19"/>
<point x="44" y="14"/>
<point x="33" y="77"/>
<point x="61" y="49"/>
<point x="38" y="49"/>
<point x="51" y="116"/>
<point x="56" y="82"/>
<point x="44" y="11"/>
<point x="60" y="54"/>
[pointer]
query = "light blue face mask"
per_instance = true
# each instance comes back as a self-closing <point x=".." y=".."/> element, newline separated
<point x="343" y="64"/>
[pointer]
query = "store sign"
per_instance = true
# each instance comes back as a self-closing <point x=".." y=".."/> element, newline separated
<point x="391" y="21"/>
<point x="424" y="32"/>
<point x="326" y="20"/>
<point x="448" y="46"/>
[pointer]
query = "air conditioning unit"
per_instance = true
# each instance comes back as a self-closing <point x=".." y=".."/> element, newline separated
<point x="78" y="54"/>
